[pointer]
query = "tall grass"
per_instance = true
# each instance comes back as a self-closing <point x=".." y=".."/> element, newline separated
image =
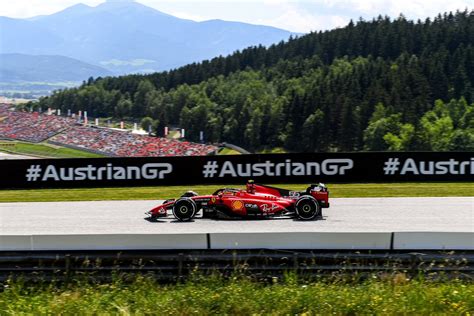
<point x="394" y="294"/>
<point x="166" y="192"/>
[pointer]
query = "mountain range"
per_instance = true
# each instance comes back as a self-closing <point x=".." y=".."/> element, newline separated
<point x="377" y="85"/>
<point x="34" y="68"/>
<point x="126" y="37"/>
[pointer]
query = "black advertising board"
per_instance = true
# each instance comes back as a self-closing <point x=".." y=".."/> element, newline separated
<point x="269" y="168"/>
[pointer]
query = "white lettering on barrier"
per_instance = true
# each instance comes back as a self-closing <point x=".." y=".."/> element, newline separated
<point x="288" y="168"/>
<point x="413" y="167"/>
<point x="149" y="171"/>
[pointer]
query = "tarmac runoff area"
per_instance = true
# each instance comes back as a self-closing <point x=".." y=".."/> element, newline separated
<point x="449" y="214"/>
<point x="7" y="156"/>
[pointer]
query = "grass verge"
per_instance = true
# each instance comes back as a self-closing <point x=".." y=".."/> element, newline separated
<point x="47" y="151"/>
<point x="276" y="150"/>
<point x="159" y="193"/>
<point x="228" y="151"/>
<point x="240" y="296"/>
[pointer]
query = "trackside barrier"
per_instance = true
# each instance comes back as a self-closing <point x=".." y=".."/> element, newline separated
<point x="272" y="168"/>
<point x="104" y="242"/>
<point x="216" y="241"/>
<point x="433" y="241"/>
<point x="310" y="240"/>
<point x="15" y="243"/>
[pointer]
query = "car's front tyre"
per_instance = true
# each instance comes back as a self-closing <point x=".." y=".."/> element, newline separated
<point x="307" y="208"/>
<point x="184" y="209"/>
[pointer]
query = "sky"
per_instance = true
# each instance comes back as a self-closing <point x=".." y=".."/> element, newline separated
<point x="294" y="15"/>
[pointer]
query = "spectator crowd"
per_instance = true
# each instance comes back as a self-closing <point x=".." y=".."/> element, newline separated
<point x="35" y="127"/>
<point x="31" y="127"/>
<point x="125" y="144"/>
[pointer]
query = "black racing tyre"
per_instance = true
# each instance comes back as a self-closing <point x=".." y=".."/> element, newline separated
<point x="184" y="209"/>
<point x="307" y="208"/>
<point x="189" y="194"/>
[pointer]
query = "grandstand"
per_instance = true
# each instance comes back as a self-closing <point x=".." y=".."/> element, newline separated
<point x="30" y="127"/>
<point x="64" y="131"/>
<point x="125" y="144"/>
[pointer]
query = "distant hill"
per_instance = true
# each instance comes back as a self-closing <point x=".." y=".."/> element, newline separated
<point x="44" y="68"/>
<point x="373" y="85"/>
<point x="128" y="37"/>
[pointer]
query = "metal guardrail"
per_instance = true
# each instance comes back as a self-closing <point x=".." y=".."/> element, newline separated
<point x="172" y="265"/>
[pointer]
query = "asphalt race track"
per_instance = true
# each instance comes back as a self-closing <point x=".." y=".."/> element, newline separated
<point x="7" y="156"/>
<point x="449" y="214"/>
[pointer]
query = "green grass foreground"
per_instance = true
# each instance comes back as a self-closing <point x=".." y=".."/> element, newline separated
<point x="228" y="151"/>
<point x="46" y="150"/>
<point x="240" y="296"/>
<point x="159" y="193"/>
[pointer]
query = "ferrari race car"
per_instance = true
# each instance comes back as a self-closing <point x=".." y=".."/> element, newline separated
<point x="256" y="201"/>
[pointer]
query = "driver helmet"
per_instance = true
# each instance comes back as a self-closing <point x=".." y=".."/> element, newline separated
<point x="251" y="186"/>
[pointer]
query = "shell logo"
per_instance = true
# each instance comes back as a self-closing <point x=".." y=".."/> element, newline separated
<point x="237" y="205"/>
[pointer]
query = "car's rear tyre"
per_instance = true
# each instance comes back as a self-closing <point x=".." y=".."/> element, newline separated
<point x="184" y="209"/>
<point x="307" y="208"/>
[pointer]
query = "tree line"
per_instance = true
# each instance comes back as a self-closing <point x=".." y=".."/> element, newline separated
<point x="373" y="85"/>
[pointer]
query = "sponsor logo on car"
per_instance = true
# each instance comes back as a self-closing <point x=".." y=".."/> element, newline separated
<point x="268" y="207"/>
<point x="251" y="206"/>
<point x="238" y="205"/>
<point x="293" y="195"/>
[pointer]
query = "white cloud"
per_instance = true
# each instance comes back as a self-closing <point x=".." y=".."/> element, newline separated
<point x="294" y="15"/>
<point x="298" y="20"/>
<point x="29" y="8"/>
<point x="411" y="8"/>
<point x="328" y="14"/>
<point x="289" y="15"/>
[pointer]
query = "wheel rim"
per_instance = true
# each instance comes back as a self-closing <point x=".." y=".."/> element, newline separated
<point x="184" y="210"/>
<point x="306" y="208"/>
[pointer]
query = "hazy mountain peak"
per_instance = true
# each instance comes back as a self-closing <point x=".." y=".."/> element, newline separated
<point x="120" y="4"/>
<point x="123" y="4"/>
<point x="128" y="31"/>
<point x="127" y="7"/>
<point x="77" y="7"/>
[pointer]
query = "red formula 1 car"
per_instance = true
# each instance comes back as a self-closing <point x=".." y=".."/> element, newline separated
<point x="256" y="201"/>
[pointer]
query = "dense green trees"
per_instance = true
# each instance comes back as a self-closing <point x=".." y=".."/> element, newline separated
<point x="374" y="85"/>
<point x="449" y="126"/>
